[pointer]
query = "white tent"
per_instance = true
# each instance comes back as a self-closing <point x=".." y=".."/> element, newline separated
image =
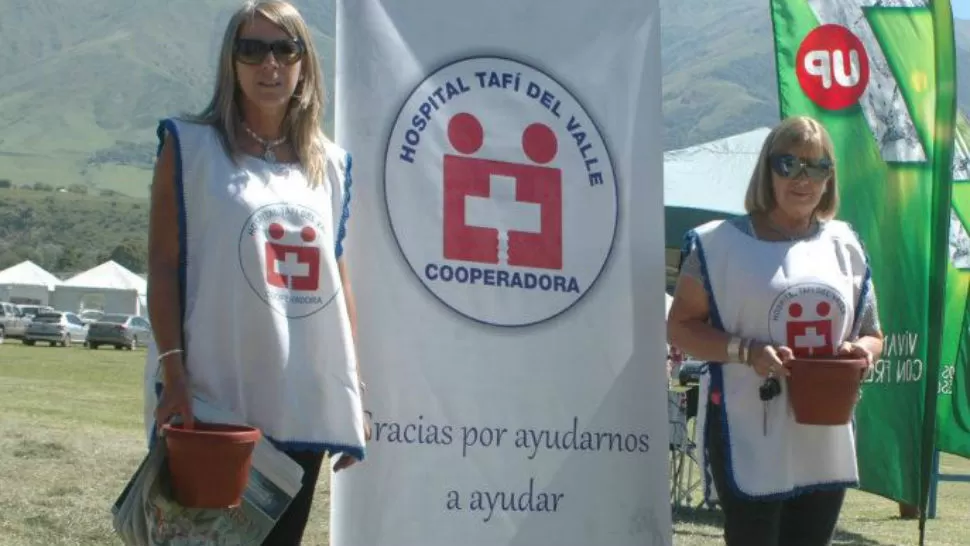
<point x="712" y="176"/>
<point x="27" y="283"/>
<point x="109" y="287"/>
<point x="706" y="182"/>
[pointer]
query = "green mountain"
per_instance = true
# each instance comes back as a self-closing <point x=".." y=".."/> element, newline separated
<point x="82" y="83"/>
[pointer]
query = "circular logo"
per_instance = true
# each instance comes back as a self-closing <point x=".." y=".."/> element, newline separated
<point x="282" y="256"/>
<point x="832" y="67"/>
<point x="809" y="319"/>
<point x="500" y="191"/>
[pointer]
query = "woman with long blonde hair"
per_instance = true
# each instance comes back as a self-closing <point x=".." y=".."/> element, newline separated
<point x="248" y="288"/>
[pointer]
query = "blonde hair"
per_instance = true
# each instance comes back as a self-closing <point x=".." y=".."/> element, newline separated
<point x="302" y="123"/>
<point x="789" y="134"/>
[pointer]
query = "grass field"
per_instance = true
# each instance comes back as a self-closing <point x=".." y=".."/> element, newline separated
<point x="70" y="436"/>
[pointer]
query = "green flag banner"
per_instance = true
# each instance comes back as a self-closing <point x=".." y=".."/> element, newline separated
<point x="881" y="78"/>
<point x="953" y="406"/>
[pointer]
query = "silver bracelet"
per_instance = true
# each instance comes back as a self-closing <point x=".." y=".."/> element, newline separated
<point x="169" y="353"/>
<point x="733" y="346"/>
<point x="744" y="350"/>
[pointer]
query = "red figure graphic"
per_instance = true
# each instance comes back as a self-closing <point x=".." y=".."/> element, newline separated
<point x="289" y="266"/>
<point x="808" y="338"/>
<point x="470" y="176"/>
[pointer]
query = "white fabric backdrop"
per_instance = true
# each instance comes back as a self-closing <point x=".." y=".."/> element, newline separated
<point x="539" y="312"/>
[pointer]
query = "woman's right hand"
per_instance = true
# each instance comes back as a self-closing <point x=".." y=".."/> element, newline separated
<point x="767" y="360"/>
<point x="176" y="395"/>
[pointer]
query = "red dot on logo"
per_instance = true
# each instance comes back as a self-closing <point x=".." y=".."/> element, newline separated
<point x="276" y="231"/>
<point x="832" y="67"/>
<point x="823" y="308"/>
<point x="308" y="234"/>
<point x="795" y="310"/>
<point x="465" y="133"/>
<point x="539" y="143"/>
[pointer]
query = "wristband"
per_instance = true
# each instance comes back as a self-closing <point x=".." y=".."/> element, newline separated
<point x="169" y="353"/>
<point x="733" y="347"/>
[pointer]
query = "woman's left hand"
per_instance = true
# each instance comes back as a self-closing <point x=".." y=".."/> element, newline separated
<point x="855" y="350"/>
<point x="345" y="461"/>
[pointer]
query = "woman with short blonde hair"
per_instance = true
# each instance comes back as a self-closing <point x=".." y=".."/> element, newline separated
<point x="785" y="280"/>
<point x="791" y="133"/>
<point x="248" y="290"/>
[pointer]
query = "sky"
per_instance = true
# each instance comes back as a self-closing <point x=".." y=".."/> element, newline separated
<point x="961" y="9"/>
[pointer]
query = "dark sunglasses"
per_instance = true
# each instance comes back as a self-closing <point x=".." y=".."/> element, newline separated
<point x="789" y="166"/>
<point x="253" y="51"/>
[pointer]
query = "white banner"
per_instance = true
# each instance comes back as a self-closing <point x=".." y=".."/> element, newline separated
<point x="506" y="249"/>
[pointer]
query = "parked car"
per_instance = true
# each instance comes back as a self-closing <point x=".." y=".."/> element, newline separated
<point x="90" y="316"/>
<point x="13" y="323"/>
<point x="122" y="331"/>
<point x="55" y="328"/>
<point x="32" y="310"/>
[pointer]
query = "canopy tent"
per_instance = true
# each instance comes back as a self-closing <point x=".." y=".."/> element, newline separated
<point x="109" y="287"/>
<point x="706" y="182"/>
<point x="712" y="176"/>
<point x="27" y="283"/>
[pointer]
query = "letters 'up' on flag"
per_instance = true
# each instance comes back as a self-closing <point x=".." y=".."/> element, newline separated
<point x="881" y="78"/>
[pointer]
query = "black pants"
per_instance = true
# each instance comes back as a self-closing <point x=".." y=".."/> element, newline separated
<point x="806" y="520"/>
<point x="289" y="529"/>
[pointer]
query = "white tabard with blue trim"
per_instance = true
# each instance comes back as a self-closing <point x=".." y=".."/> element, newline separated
<point x="266" y="329"/>
<point x="804" y="295"/>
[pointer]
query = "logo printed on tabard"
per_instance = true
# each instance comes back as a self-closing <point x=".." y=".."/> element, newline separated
<point x="808" y="318"/>
<point x="500" y="191"/>
<point x="281" y="253"/>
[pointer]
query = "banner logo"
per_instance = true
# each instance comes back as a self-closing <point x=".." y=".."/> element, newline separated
<point x="809" y="319"/>
<point x="832" y="67"/>
<point x="500" y="191"/>
<point x="537" y="192"/>
<point x="826" y="55"/>
<point x="281" y="255"/>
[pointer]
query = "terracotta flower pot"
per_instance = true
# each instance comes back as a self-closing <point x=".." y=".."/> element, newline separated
<point x="824" y="391"/>
<point x="209" y="463"/>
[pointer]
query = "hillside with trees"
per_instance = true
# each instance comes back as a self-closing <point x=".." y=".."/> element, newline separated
<point x="83" y="84"/>
<point x="68" y="230"/>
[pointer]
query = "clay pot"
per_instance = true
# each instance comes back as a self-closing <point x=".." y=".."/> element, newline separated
<point x="824" y="391"/>
<point x="209" y="463"/>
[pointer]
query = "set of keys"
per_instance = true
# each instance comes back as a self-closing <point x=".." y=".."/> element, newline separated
<point x="767" y="392"/>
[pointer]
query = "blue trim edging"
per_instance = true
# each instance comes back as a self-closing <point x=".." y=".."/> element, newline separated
<point x="692" y="242"/>
<point x="168" y="125"/>
<point x="345" y="210"/>
<point x="163" y="126"/>
<point x="332" y="450"/>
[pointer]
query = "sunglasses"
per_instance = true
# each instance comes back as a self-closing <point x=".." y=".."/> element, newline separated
<point x="789" y="166"/>
<point x="253" y="51"/>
